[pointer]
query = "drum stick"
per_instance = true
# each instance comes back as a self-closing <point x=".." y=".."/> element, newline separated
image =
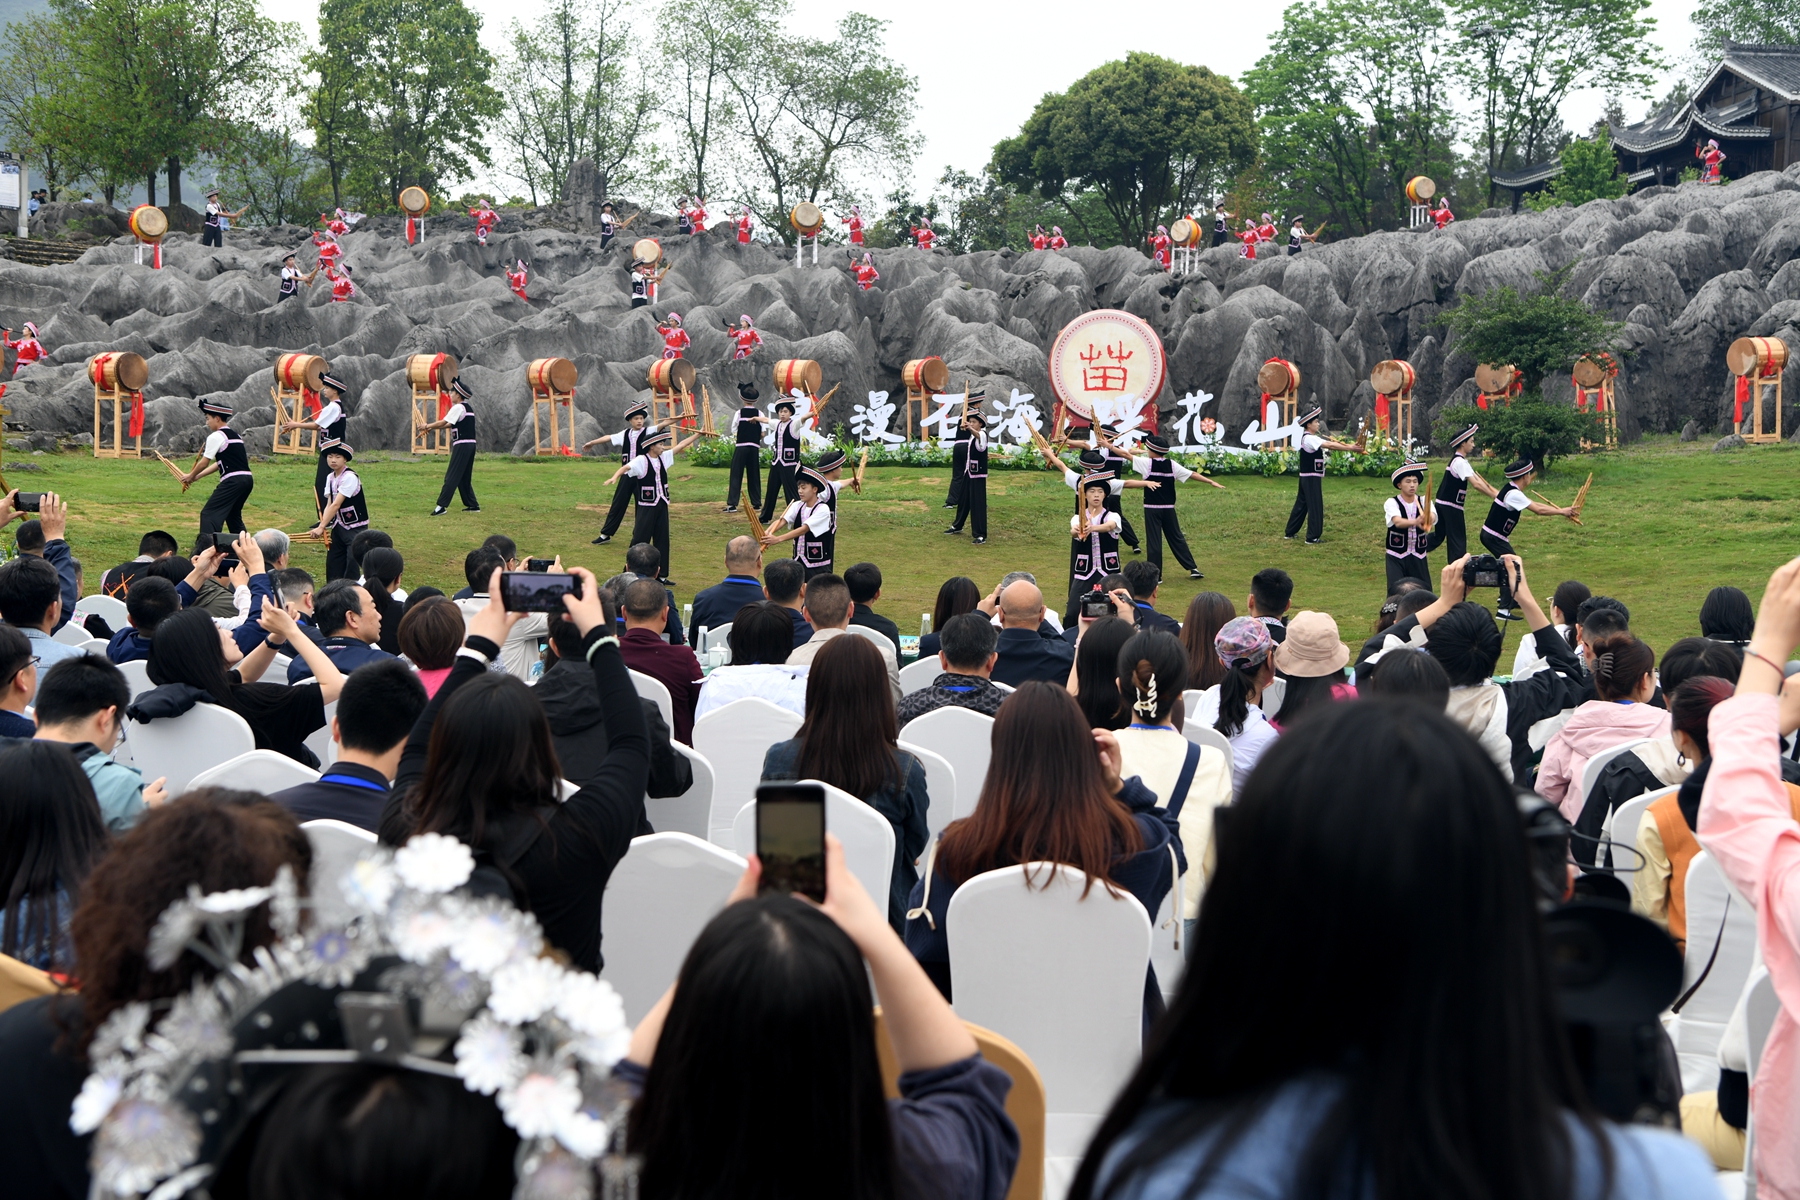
<point x="1554" y="504"/>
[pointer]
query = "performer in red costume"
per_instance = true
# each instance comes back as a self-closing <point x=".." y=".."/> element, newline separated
<point x="515" y="279"/>
<point x="29" y="348"/>
<point x="697" y="215"/>
<point x="1057" y="240"/>
<point x="744" y="226"/>
<point x="1442" y="214"/>
<point x="923" y="235"/>
<point x="341" y="287"/>
<point x="1710" y="156"/>
<point x="866" y="274"/>
<point x="675" y="338"/>
<point x="336" y="226"/>
<point x="855" y="222"/>
<point x="1160" y="241"/>
<point x="1266" y="231"/>
<point x="1249" y="237"/>
<point x="485" y="220"/>
<point x="1039" y="239"/>
<point x="745" y="335"/>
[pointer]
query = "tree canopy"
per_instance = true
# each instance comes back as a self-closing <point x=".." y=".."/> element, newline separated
<point x="1539" y="331"/>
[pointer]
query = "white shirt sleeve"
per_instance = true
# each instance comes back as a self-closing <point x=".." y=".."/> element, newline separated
<point x="638" y="467"/>
<point x="1071" y="478"/>
<point x="819" y="520"/>
<point x="331" y="412"/>
<point x="618" y="439"/>
<point x="668" y="459"/>
<point x="348" y="485"/>
<point x="215" y="444"/>
<point x="1310" y="442"/>
<point x="456" y="413"/>
<point x="1391" y="506"/>
<point x="1141" y="466"/>
<point x="1110" y="521"/>
<point x="1181" y="473"/>
<point x="1517" y="500"/>
<point x="791" y="514"/>
<point x="1459" y="468"/>
<point x="836" y="485"/>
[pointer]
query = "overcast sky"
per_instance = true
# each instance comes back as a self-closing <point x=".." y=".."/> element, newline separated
<point x="982" y="68"/>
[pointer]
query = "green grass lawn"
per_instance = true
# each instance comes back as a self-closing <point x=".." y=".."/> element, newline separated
<point x="1664" y="523"/>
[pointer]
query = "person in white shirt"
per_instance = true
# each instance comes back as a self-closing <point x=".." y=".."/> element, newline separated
<point x="762" y="642"/>
<point x="1309" y="503"/>
<point x="459" y="476"/>
<point x="1503" y="517"/>
<point x="1160" y="518"/>
<point x="223" y="452"/>
<point x="827" y="609"/>
<point x="637" y="428"/>
<point x="1243" y="644"/>
<point x="332" y="422"/>
<point x="1406" y="521"/>
<point x="346" y="512"/>
<point x="1448" y="527"/>
<point x="650" y="470"/>
<point x="812" y="522"/>
<point x="292" y="277"/>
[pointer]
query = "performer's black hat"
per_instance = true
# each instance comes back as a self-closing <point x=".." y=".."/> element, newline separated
<point x="215" y="408"/>
<point x="1092" y="458"/>
<point x="748" y="391"/>
<point x="212" y="193"/>
<point x="606" y="204"/>
<point x="288" y="257"/>
<point x="461" y="389"/>
<point x="815" y="477"/>
<point x="333" y="382"/>
<point x="831" y="460"/>
<point x="975" y="414"/>
<point x="337" y="446"/>
<point x="785" y="403"/>
<point x="1521" y="469"/>
<point x="1464" y="436"/>
<point x="1309" y="416"/>
<point x="659" y="438"/>
<point x="1100" y="479"/>
<point x="1158" y="443"/>
<point x="637" y="410"/>
<point x="1405" y="469"/>
<point x="979" y="393"/>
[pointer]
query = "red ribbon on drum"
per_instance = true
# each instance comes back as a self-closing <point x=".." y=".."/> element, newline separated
<point x="1381" y="410"/>
<point x="1743" y="394"/>
<point x="310" y="399"/>
<point x="136" y="429"/>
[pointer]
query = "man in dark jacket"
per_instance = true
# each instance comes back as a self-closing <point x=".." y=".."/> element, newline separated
<point x="148" y="604"/>
<point x="1024" y="655"/>
<point x="864" y="582"/>
<point x="1144" y="579"/>
<point x="784" y="582"/>
<point x="566" y="690"/>
<point x="375" y="713"/>
<point x="718" y="605"/>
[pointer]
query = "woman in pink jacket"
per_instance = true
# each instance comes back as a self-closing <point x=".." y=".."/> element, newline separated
<point x="1624" y="671"/>
<point x="1747" y="825"/>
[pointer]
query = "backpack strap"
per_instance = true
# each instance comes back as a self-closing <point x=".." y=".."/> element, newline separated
<point x="1710" y="959"/>
<point x="1184" y="781"/>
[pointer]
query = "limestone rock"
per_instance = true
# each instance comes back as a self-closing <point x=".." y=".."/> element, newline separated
<point x="1690" y="432"/>
<point x="1730" y="441"/>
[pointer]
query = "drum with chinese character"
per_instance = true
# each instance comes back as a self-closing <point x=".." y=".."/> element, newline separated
<point x="1106" y="355"/>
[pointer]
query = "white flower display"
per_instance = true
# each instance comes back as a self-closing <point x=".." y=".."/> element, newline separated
<point x="98" y="1095"/>
<point x="143" y="1142"/>
<point x="122" y="1033"/>
<point x="230" y="904"/>
<point x="590" y="1005"/>
<point x="370" y="883"/>
<point x="541" y="1102"/>
<point x="525" y="989"/>
<point x="434" y="862"/>
<point x="489" y="934"/>
<point x="489" y="1055"/>
<point x="584" y="1134"/>
<point x="172" y="933"/>
<point x="338" y="956"/>
<point x="423" y="931"/>
<point x="195" y="1024"/>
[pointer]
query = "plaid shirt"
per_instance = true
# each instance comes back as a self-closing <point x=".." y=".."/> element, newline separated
<point x="968" y="691"/>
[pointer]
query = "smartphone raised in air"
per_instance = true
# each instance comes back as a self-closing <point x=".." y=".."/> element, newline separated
<point x="527" y="591"/>
<point x="790" y="838"/>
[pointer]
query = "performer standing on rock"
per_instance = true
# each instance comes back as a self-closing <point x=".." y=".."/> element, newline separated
<point x="333" y="423"/>
<point x="744" y="333"/>
<point x="1249" y="238"/>
<point x="866" y="274"/>
<point x="29" y="349"/>
<point x="346" y="511"/>
<point x="746" y="451"/>
<point x="650" y="471"/>
<point x="1503" y="517"/>
<point x="923" y="235"/>
<point x="1448" y="528"/>
<point x="972" y="505"/>
<point x="630" y="440"/>
<point x="1057" y="240"/>
<point x="1094" y="542"/>
<point x="1405" y="518"/>
<point x="1442" y="215"/>
<point x="1309" y="503"/>
<point x="744" y="226"/>
<point x="855" y="222"/>
<point x="1711" y="157"/>
<point x="609" y="225"/>
<point x="786" y="463"/>
<point x="1039" y="239"/>
<point x="1221" y="230"/>
<point x="1266" y="231"/>
<point x="223" y="452"/>
<point x="291" y="279"/>
<point x="1297" y="236"/>
<point x="342" y="289"/>
<point x="459" y="476"/>
<point x="515" y="280"/>
<point x="485" y="221"/>
<point x="675" y="338"/>
<point x="212" y="230"/>
<point x="1160" y="241"/>
<point x="697" y="215"/>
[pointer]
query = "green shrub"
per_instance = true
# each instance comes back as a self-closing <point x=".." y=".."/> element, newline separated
<point x="1529" y="427"/>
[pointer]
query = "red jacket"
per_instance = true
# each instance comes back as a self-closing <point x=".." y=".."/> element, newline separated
<point x="675" y="667"/>
<point x="676" y="339"/>
<point x="856" y="230"/>
<point x="29" y="348"/>
<point x="743" y="228"/>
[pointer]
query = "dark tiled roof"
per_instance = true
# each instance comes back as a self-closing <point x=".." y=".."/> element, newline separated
<point x="1529" y="175"/>
<point x="1675" y="123"/>
<point x="1774" y="67"/>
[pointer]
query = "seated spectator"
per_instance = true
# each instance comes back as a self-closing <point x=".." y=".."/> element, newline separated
<point x="1465" y="642"/>
<point x="31" y="601"/>
<point x="152" y="546"/>
<point x="30" y="539"/>
<point x="1144" y="581"/>
<point x="1248" y="652"/>
<point x="382" y="569"/>
<point x="847" y="740"/>
<point x="502" y="548"/>
<point x="1726" y="616"/>
<point x="1207" y="613"/>
<point x="578" y="726"/>
<point x="147" y="605"/>
<point x="213" y="840"/>
<point x="1340" y="1109"/>
<point x="421" y="594"/>
<point x="762" y="641"/>
<point x="1389" y="632"/>
<point x="480" y="766"/>
<point x="1412" y="675"/>
<point x="967" y="660"/>
<point x="864" y="582"/>
<point x="828" y="612"/>
<point x="347" y="616"/>
<point x="50" y="834"/>
<point x="1600" y="618"/>
<point x="956" y="596"/>
<point x="1053" y="793"/>
<point x="1565" y="603"/>
<point x="1094" y="678"/>
<point x="250" y="585"/>
<point x="519" y="656"/>
<point x="293" y="590"/>
<point x="175" y="568"/>
<point x="212" y="581"/>
<point x="274" y="545"/>
<point x="431" y="633"/>
<point x="646" y="608"/>
<point x="18" y="683"/>
<point x="772" y="1016"/>
<point x="81" y="703"/>
<point x="1271" y="590"/>
<point x="717" y="605"/>
<point x="361" y="546"/>
<point x="1024" y="654"/>
<point x="380" y="703"/>
<point x="1311" y="657"/>
<point x="190" y="649"/>
<point x="645" y="561"/>
<point x="1624" y="675"/>
<point x="784" y="583"/>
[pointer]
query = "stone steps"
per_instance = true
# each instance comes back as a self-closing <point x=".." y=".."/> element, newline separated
<point x="44" y="253"/>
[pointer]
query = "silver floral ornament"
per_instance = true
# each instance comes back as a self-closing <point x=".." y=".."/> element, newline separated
<point x="142" y="1142"/>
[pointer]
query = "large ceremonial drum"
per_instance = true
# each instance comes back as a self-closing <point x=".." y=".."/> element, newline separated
<point x="646" y="251"/>
<point x="801" y="373"/>
<point x="551" y="375"/>
<point x="1391" y="376"/>
<point x="1185" y="232"/>
<point x="1764" y="356"/>
<point x="672" y="375"/>
<point x="299" y="371"/>
<point x="1278" y="377"/>
<point x="1591" y="374"/>
<point x="1105" y="354"/>
<point x="431" y="370"/>
<point x="125" y="370"/>
<point x="806" y="219"/>
<point x="149" y="223"/>
<point x="415" y="201"/>
<point x="926" y="374"/>
<point x="1420" y="189"/>
<point x="1495" y="380"/>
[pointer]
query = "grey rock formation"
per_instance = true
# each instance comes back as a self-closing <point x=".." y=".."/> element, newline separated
<point x="1730" y="441"/>
<point x="1690" y="432"/>
<point x="584" y="191"/>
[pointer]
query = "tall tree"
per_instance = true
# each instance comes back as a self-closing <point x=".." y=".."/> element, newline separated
<point x="1150" y="136"/>
<point x="1766" y="22"/>
<point x="703" y="44"/>
<point x="34" y="54"/>
<point x="1523" y="58"/>
<point x="1353" y="101"/>
<point x="271" y="172"/>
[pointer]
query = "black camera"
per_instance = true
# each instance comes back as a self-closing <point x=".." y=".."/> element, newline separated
<point x="29" y="502"/>
<point x="1483" y="571"/>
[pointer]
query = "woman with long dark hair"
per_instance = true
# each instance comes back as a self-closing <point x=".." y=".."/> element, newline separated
<point x="480" y="766"/>
<point x="1207" y="613"/>
<point x="1311" y="659"/>
<point x="1370" y="1095"/>
<point x="51" y="831"/>
<point x="188" y="648"/>
<point x="1624" y="674"/>
<point x="1094" y="677"/>
<point x="848" y="740"/>
<point x="957" y="596"/>
<point x="1054" y="793"/>
<point x="1248" y="652"/>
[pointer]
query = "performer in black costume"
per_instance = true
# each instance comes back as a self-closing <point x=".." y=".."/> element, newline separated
<point x="223" y="452"/>
<point x="333" y="423"/>
<point x="1309" y="503"/>
<point x="637" y="427"/>
<point x="1503" y="517"/>
<point x="1405" y="519"/>
<point x="346" y="511"/>
<point x="650" y="472"/>
<point x="746" y="454"/>
<point x="813" y="521"/>
<point x="786" y="462"/>
<point x="1094" y="541"/>
<point x="459" y="476"/>
<point x="1448" y="527"/>
<point x="959" y="453"/>
<point x="1118" y="464"/>
<point x="1160" y="518"/>
<point x="972" y="505"/>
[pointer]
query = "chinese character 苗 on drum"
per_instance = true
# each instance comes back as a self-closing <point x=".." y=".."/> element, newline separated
<point x="1101" y="356"/>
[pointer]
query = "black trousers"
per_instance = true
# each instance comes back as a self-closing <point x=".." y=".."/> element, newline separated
<point x="1410" y="566"/>
<point x="781" y="482"/>
<point x="745" y="459"/>
<point x="1448" y="530"/>
<point x="623" y="491"/>
<point x="1160" y="523"/>
<point x="337" y="555"/>
<point x="973" y="505"/>
<point x="1128" y="535"/>
<point x="1219" y="236"/>
<point x="1309" y="508"/>
<point x="459" y="476"/>
<point x="319" y="478"/>
<point x="959" y="463"/>
<point x="212" y="235"/>
<point x="652" y="525"/>
<point x="1497" y="546"/>
<point x="224" y="509"/>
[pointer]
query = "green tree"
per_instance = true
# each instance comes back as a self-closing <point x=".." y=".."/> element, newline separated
<point x="270" y="171"/>
<point x="1150" y="137"/>
<point x="1538" y="332"/>
<point x="1765" y="22"/>
<point x="103" y="98"/>
<point x="34" y="54"/>
<point x="1352" y="101"/>
<point x="703" y="43"/>
<point x="1528" y="427"/>
<point x="1590" y="171"/>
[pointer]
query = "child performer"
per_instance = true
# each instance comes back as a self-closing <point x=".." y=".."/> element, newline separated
<point x="29" y="348"/>
<point x="346" y="511"/>
<point x="813" y="521"/>
<point x="651" y="470"/>
<point x="1094" y="463"/>
<point x="745" y="334"/>
<point x="959" y="453"/>
<point x="1160" y="519"/>
<point x="1448" y="528"/>
<point x="1309" y="504"/>
<point x="1405" y="527"/>
<point x="224" y="453"/>
<point x="333" y="423"/>
<point x="1221" y="226"/>
<point x="630" y="440"/>
<point x="1118" y="464"/>
<point x="746" y="453"/>
<point x="1094" y="541"/>
<point x="1503" y="516"/>
<point x="786" y="461"/>
<point x="291" y="279"/>
<point x="459" y="476"/>
<point x="972" y="506"/>
<point x="609" y="224"/>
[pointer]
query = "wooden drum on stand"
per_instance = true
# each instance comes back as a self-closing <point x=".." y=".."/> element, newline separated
<point x="431" y="371"/>
<point x="672" y="375"/>
<point x="1185" y="232"/>
<point x="127" y="370"/>
<point x="646" y="252"/>
<point x="415" y="201"/>
<point x="1420" y="190"/>
<point x="149" y="224"/>
<point x="1391" y="377"/>
<point x="1495" y="380"/>
<point x="801" y="373"/>
<point x="551" y="375"/>
<point x="1754" y="356"/>
<point x="806" y="219"/>
<point x="1279" y="378"/>
<point x="299" y="372"/>
<point x="926" y="375"/>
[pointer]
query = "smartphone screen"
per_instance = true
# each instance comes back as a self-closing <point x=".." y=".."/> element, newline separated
<point x="30" y="502"/>
<point x="224" y="541"/>
<point x="527" y="591"/>
<point x="790" y="838"/>
<point x="539" y="565"/>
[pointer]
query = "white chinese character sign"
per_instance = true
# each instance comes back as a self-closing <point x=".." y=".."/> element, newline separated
<point x="869" y="422"/>
<point x="1103" y="356"/>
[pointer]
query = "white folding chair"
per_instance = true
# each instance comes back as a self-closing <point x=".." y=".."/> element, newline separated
<point x="880" y="639"/>
<point x="336" y="846"/>
<point x="868" y="839"/>
<point x="320" y="741"/>
<point x="1002" y="687"/>
<point x="71" y="634"/>
<point x="715" y="637"/>
<point x="1590" y="771"/>
<point x="179" y="748"/>
<point x="1272" y="697"/>
<point x="1716" y="917"/>
<point x="108" y="608"/>
<point x="655" y="690"/>
<point x="1062" y="976"/>
<point x="734" y="739"/>
<point x="93" y="646"/>
<point x="917" y="676"/>
<point x="137" y="676"/>
<point x="1207" y="736"/>
<point x="660" y="896"/>
<point x="1200" y="706"/>
<point x="965" y="739"/>
<point x="689" y="812"/>
<point x="1621" y="829"/>
<point x="940" y="781"/>
<point x="262" y="771"/>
